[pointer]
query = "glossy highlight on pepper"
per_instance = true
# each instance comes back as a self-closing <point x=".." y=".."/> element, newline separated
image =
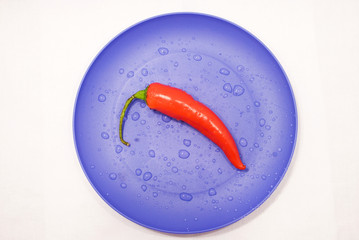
<point x="179" y="105"/>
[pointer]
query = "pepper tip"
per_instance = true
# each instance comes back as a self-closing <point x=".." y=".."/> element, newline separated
<point x="242" y="167"/>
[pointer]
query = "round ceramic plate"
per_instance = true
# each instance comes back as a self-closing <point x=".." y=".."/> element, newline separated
<point x="172" y="178"/>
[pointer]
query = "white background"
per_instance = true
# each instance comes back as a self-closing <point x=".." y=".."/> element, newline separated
<point x="45" y="49"/>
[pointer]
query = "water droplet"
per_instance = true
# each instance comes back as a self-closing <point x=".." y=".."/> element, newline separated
<point x="135" y="116"/>
<point x="230" y="198"/>
<point x="105" y="135"/>
<point x="163" y="51"/>
<point x="196" y="219"/>
<point x="123" y="185"/>
<point x="92" y="166"/>
<point x="184" y="187"/>
<point x="183" y="154"/>
<point x="197" y="57"/>
<point x="175" y="64"/>
<point x="264" y="177"/>
<point x="169" y="164"/>
<point x="174" y="169"/>
<point x="227" y="87"/>
<point x="185" y="196"/>
<point x="112" y="176"/>
<point x="187" y="142"/>
<point x="243" y="142"/>
<point x="118" y="149"/>
<point x="144" y="188"/>
<point x="279" y="149"/>
<point x="212" y="192"/>
<point x="130" y="74"/>
<point x="268" y="127"/>
<point x="143" y="122"/>
<point x="151" y="153"/>
<point x="144" y="72"/>
<point x="147" y="176"/>
<point x="262" y="122"/>
<point x="101" y="98"/>
<point x="256" y="145"/>
<point x="240" y="68"/>
<point x="121" y="71"/>
<point x="275" y="154"/>
<point x="238" y="90"/>
<point x="143" y="105"/>
<point x="219" y="171"/>
<point x="166" y="118"/>
<point x="224" y="71"/>
<point x="213" y="160"/>
<point x="257" y="104"/>
<point x="138" y="171"/>
<point x="184" y="50"/>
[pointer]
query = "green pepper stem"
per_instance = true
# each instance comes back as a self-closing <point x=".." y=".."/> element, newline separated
<point x="139" y="95"/>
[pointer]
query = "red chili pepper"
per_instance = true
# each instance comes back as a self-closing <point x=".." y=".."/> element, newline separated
<point x="179" y="105"/>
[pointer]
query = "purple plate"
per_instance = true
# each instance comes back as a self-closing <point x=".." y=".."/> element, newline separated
<point x="172" y="178"/>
